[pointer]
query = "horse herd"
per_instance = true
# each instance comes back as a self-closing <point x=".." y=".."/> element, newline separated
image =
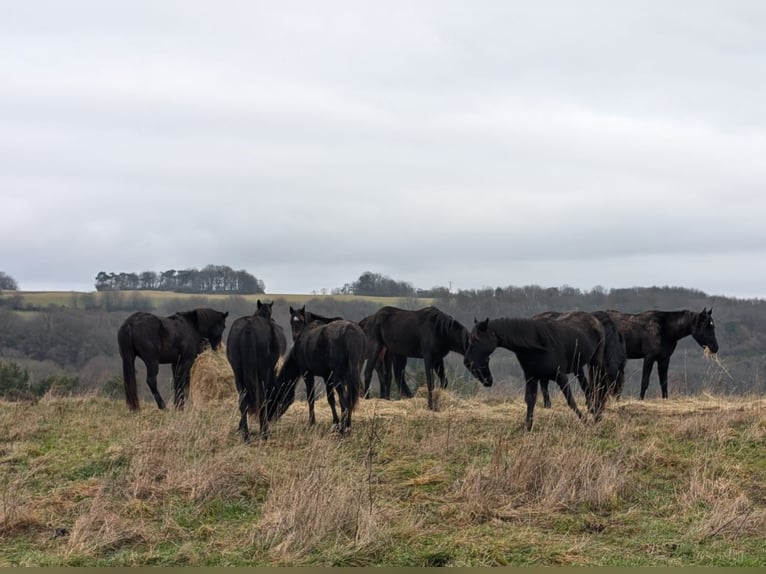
<point x="549" y="346"/>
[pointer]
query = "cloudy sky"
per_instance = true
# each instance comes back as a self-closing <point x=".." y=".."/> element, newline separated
<point x="439" y="142"/>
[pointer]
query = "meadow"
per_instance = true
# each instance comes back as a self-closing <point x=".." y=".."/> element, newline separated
<point x="43" y="299"/>
<point x="657" y="483"/>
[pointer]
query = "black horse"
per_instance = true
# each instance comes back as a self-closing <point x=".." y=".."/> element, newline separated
<point x="653" y="336"/>
<point x="254" y="346"/>
<point x="388" y="364"/>
<point x="427" y="333"/>
<point x="176" y="339"/>
<point x="333" y="349"/>
<point x="606" y="365"/>
<point x="615" y="355"/>
<point x="545" y="348"/>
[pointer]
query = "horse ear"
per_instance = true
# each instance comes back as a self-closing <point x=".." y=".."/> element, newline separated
<point x="225" y="314"/>
<point x="258" y="304"/>
<point x="475" y="320"/>
<point x="484" y="324"/>
<point x="292" y="311"/>
<point x="271" y="305"/>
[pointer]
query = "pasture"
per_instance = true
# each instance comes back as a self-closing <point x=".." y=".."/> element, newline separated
<point x="42" y="299"/>
<point x="676" y="482"/>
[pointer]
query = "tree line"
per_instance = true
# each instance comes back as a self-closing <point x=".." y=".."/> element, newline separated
<point x="79" y="339"/>
<point x="371" y="284"/>
<point x="210" y="279"/>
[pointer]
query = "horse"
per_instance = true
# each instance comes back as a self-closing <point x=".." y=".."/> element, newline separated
<point x="615" y="355"/>
<point x="653" y="336"/>
<point x="387" y="363"/>
<point x="176" y="339"/>
<point x="427" y="333"/>
<point x="545" y="348"/>
<point x="334" y="350"/>
<point x="253" y="347"/>
<point x="605" y="367"/>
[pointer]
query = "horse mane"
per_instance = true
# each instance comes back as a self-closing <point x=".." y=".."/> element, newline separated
<point x="441" y="320"/>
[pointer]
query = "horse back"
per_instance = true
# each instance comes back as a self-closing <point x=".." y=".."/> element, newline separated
<point x="642" y="332"/>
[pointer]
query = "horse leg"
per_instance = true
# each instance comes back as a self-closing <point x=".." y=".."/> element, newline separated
<point x="619" y="385"/>
<point x="546" y="393"/>
<point x="662" y="371"/>
<point x="243" y="408"/>
<point x="384" y="374"/>
<point x="646" y="371"/>
<point x="586" y="385"/>
<point x="440" y="373"/>
<point x="345" y="412"/>
<point x="530" y="396"/>
<point x="152" y="368"/>
<point x="430" y="382"/>
<point x="374" y="353"/>
<point x="310" y="397"/>
<point x="330" y="386"/>
<point x="597" y="392"/>
<point x="261" y="383"/>
<point x="400" y="366"/>
<point x="181" y="374"/>
<point x="563" y="382"/>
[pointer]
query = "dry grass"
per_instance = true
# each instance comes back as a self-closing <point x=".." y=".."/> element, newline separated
<point x="466" y="485"/>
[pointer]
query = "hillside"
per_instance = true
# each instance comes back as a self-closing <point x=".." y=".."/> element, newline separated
<point x="673" y="483"/>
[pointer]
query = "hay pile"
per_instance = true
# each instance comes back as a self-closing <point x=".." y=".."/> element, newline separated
<point x="212" y="379"/>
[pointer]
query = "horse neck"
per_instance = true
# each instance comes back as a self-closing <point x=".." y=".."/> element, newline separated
<point x="458" y="339"/>
<point x="679" y="324"/>
<point x="512" y="334"/>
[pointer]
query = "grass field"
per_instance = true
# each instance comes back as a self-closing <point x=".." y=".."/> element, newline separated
<point x="68" y="298"/>
<point x="679" y="482"/>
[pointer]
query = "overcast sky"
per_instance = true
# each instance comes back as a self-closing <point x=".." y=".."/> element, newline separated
<point x="472" y="143"/>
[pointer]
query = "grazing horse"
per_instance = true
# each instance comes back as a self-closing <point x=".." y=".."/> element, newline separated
<point x="606" y="365"/>
<point x="387" y="363"/>
<point x="427" y="333"/>
<point x="333" y="350"/>
<point x="653" y="336"/>
<point x="545" y="348"/>
<point x="254" y="346"/>
<point x="176" y="339"/>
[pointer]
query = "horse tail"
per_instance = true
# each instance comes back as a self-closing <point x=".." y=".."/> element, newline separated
<point x="282" y="395"/>
<point x="615" y="355"/>
<point x="125" y="344"/>
<point x="356" y="352"/>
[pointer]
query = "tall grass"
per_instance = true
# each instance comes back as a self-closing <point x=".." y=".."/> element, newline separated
<point x="679" y="482"/>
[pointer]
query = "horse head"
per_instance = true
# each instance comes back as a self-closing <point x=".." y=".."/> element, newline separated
<point x="263" y="309"/>
<point x="210" y="324"/>
<point x="703" y="330"/>
<point x="481" y="343"/>
<point x="298" y="321"/>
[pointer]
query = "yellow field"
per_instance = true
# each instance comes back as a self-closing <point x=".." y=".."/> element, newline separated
<point x="66" y="298"/>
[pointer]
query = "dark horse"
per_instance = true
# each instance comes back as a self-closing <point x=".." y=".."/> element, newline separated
<point x="388" y="364"/>
<point x="653" y="336"/>
<point x="545" y="348"/>
<point x="176" y="339"/>
<point x="254" y="346"/>
<point x="606" y="366"/>
<point x="427" y="333"/>
<point x="333" y="349"/>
